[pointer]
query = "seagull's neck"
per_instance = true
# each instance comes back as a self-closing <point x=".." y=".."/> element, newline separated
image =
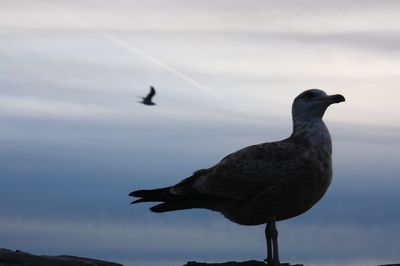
<point x="313" y="132"/>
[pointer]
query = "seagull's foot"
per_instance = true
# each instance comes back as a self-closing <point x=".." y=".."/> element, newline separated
<point x="269" y="261"/>
<point x="272" y="263"/>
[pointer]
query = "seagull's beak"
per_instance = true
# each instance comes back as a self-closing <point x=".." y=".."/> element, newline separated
<point x="336" y="98"/>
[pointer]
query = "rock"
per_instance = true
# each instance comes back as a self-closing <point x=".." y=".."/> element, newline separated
<point x="19" y="258"/>
<point x="235" y="263"/>
<point x="249" y="263"/>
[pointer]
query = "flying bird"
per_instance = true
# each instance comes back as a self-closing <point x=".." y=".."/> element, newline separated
<point x="147" y="100"/>
<point x="263" y="183"/>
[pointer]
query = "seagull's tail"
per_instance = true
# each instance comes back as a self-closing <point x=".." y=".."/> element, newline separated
<point x="160" y="194"/>
<point x="172" y="202"/>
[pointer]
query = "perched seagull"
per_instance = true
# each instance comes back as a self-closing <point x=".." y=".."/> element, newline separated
<point x="147" y="100"/>
<point x="262" y="183"/>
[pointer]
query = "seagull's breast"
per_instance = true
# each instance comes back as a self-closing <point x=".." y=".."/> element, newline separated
<point x="314" y="132"/>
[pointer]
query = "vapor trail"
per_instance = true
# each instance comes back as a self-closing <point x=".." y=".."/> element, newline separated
<point x="140" y="52"/>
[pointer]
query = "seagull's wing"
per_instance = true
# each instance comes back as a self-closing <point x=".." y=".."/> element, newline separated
<point x="151" y="94"/>
<point x="249" y="171"/>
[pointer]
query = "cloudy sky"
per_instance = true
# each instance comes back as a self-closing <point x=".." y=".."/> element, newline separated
<point x="74" y="140"/>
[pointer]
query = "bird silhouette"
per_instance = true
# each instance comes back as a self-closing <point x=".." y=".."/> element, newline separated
<point x="262" y="183"/>
<point x="148" y="99"/>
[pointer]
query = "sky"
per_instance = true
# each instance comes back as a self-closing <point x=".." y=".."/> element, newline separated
<point x="74" y="141"/>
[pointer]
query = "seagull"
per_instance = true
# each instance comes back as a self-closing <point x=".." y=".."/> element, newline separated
<point x="147" y="100"/>
<point x="263" y="183"/>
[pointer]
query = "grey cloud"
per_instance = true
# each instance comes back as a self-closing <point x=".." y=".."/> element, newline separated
<point x="271" y="15"/>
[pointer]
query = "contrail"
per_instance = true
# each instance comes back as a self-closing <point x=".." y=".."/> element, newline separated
<point x="140" y="52"/>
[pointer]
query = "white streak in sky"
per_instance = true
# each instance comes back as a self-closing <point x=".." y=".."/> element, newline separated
<point x="141" y="53"/>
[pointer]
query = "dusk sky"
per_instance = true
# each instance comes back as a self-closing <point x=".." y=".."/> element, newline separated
<point x="75" y="142"/>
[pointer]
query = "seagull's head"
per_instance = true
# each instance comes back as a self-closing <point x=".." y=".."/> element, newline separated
<point x="313" y="104"/>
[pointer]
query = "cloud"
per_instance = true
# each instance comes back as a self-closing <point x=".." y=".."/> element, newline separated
<point x="42" y="108"/>
<point x="324" y="16"/>
<point x="258" y="75"/>
<point x="252" y="70"/>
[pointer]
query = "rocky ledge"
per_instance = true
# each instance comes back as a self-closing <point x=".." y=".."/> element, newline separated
<point x="19" y="258"/>
<point x="235" y="263"/>
<point x="249" y="263"/>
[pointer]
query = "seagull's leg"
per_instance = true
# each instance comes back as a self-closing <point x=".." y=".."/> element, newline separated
<point x="274" y="237"/>
<point x="269" y="258"/>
